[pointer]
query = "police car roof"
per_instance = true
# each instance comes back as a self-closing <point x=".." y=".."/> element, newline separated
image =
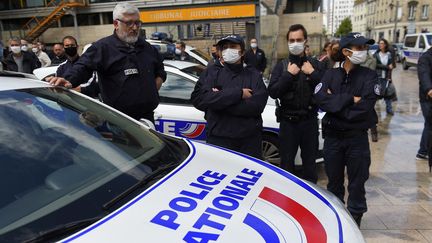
<point x="179" y="64"/>
<point x="14" y="80"/>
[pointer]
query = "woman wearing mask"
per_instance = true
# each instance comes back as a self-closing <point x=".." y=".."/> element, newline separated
<point x="348" y="94"/>
<point x="233" y="98"/>
<point x="384" y="68"/>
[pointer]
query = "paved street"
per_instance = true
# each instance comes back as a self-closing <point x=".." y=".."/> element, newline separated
<point x="399" y="190"/>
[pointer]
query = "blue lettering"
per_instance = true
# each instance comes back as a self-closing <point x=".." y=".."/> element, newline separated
<point x="225" y="203"/>
<point x="200" y="195"/>
<point x="242" y="184"/>
<point x="237" y="193"/>
<point x="200" y="237"/>
<point x="211" y="182"/>
<point x="252" y="172"/>
<point x="253" y="179"/>
<point x="204" y="220"/>
<point x="207" y="188"/>
<point x="214" y="175"/>
<point x="166" y="218"/>
<point x="183" y="204"/>
<point x="218" y="213"/>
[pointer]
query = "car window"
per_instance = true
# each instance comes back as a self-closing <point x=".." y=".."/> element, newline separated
<point x="422" y="44"/>
<point x="194" y="70"/>
<point x="429" y="39"/>
<point x="410" y="41"/>
<point x="201" y="54"/>
<point x="176" y="90"/>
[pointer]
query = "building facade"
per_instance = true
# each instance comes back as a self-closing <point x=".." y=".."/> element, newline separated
<point x="338" y="10"/>
<point x="359" y="17"/>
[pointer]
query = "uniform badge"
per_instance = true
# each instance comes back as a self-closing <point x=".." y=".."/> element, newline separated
<point x="377" y="89"/>
<point x="318" y="88"/>
<point x="130" y="71"/>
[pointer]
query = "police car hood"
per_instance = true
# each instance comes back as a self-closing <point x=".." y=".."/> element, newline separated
<point x="217" y="195"/>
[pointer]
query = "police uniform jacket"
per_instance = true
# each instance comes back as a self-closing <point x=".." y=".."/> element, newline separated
<point x="227" y="114"/>
<point x="256" y="60"/>
<point x="341" y="112"/>
<point x="424" y="71"/>
<point x="296" y="91"/>
<point x="126" y="73"/>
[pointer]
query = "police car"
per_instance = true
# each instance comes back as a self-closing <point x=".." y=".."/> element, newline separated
<point x="176" y="115"/>
<point x="76" y="170"/>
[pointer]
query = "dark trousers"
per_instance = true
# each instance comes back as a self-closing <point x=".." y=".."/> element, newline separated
<point x="424" y="143"/>
<point x="303" y="134"/>
<point x="249" y="145"/>
<point x="354" y="153"/>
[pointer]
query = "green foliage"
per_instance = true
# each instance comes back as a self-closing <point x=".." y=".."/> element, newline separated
<point x="344" y="28"/>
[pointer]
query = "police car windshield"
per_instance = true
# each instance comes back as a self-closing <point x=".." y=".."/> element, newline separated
<point x="429" y="39"/>
<point x="60" y="149"/>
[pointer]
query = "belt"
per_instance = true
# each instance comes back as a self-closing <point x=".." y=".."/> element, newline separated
<point x="344" y="133"/>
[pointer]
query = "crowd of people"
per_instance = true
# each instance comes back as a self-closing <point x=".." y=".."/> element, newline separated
<point x="345" y="82"/>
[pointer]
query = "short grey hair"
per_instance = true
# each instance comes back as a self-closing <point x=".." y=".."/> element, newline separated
<point x="15" y="38"/>
<point x="124" y="8"/>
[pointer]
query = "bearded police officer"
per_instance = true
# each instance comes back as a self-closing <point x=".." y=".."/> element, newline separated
<point x="129" y="69"/>
<point x="233" y="98"/>
<point x="348" y="94"/>
<point x="293" y="81"/>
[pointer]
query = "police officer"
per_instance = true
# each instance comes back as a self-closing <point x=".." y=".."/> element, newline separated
<point x="255" y="57"/>
<point x="293" y="81"/>
<point x="348" y="95"/>
<point x="233" y="98"/>
<point x="130" y="70"/>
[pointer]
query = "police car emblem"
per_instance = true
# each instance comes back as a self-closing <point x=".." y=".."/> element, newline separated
<point x="318" y="88"/>
<point x="130" y="71"/>
<point x="377" y="89"/>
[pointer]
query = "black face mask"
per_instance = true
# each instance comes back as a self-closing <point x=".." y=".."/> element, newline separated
<point x="71" y="51"/>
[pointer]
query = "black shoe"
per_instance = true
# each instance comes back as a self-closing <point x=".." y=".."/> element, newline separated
<point x="357" y="218"/>
<point x="422" y="157"/>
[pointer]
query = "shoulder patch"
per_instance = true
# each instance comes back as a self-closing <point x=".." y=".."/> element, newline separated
<point x="377" y="89"/>
<point x="318" y="88"/>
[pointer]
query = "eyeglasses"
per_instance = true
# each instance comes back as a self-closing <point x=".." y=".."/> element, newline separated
<point x="130" y="24"/>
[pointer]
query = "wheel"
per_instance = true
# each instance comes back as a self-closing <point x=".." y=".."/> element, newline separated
<point x="270" y="149"/>
<point x="404" y="65"/>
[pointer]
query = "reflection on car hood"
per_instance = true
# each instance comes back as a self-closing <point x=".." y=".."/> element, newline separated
<point x="214" y="195"/>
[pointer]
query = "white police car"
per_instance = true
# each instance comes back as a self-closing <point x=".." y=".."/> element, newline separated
<point x="76" y="170"/>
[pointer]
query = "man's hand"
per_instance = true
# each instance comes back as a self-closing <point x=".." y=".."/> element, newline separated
<point x="293" y="68"/>
<point x="357" y="99"/>
<point x="390" y="66"/>
<point x="247" y="93"/>
<point x="215" y="89"/>
<point x="429" y="94"/>
<point x="307" y="68"/>
<point x="59" y="81"/>
<point x="329" y="91"/>
<point x="159" y="82"/>
<point x="77" y="88"/>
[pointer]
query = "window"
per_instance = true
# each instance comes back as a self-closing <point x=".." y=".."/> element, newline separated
<point x="410" y="41"/>
<point x="88" y="19"/>
<point x="107" y="18"/>
<point x="14" y="24"/>
<point x="411" y="12"/>
<point x="176" y="90"/>
<point x="422" y="43"/>
<point x="425" y="12"/>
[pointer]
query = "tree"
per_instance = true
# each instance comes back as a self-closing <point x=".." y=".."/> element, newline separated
<point x="344" y="28"/>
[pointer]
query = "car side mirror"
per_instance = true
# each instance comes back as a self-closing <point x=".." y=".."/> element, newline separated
<point x="147" y="123"/>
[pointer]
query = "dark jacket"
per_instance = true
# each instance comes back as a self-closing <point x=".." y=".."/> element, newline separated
<point x="341" y="111"/>
<point x="424" y="71"/>
<point x="296" y="92"/>
<point x="126" y="74"/>
<point x="380" y="68"/>
<point x="30" y="62"/>
<point x="183" y="57"/>
<point x="227" y="114"/>
<point x="56" y="60"/>
<point x="257" y="60"/>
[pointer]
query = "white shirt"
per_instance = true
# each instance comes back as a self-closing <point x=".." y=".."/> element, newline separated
<point x="44" y="58"/>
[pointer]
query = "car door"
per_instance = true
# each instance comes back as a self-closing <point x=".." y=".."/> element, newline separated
<point x="175" y="114"/>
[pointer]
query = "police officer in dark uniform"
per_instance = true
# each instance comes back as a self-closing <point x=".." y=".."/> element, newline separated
<point x="255" y="57"/>
<point x="233" y="98"/>
<point x="293" y="81"/>
<point x="348" y="95"/>
<point x="129" y="69"/>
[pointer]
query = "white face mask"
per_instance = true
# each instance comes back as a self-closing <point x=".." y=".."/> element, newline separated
<point x="34" y="49"/>
<point x="177" y="51"/>
<point x="254" y="45"/>
<point x="24" y="48"/>
<point x="231" y="55"/>
<point x="15" y="49"/>
<point x="296" y="48"/>
<point x="358" y="57"/>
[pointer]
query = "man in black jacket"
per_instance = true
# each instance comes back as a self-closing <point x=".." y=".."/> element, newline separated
<point x="424" y="71"/>
<point x="292" y="82"/>
<point x="18" y="60"/>
<point x="255" y="57"/>
<point x="129" y="69"/>
<point x="233" y="98"/>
